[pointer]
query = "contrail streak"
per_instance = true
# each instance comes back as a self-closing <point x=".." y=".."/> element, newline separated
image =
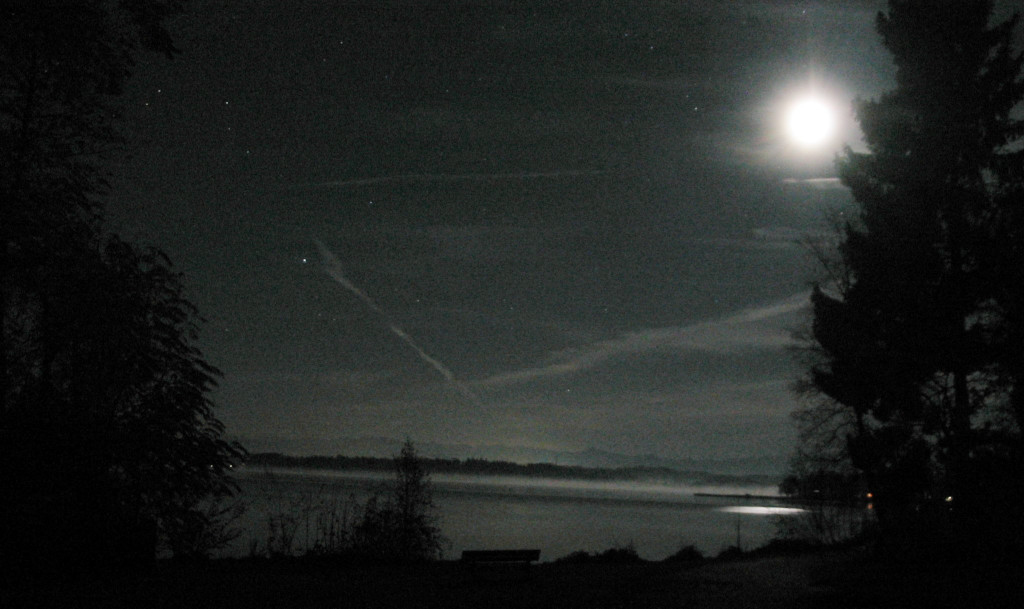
<point x="455" y="177"/>
<point x="332" y="266"/>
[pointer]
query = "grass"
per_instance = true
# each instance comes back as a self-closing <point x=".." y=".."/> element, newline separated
<point x="227" y="584"/>
<point x="852" y="577"/>
<point x="308" y="582"/>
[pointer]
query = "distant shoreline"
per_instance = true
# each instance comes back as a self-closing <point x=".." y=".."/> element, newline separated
<point x="531" y="470"/>
<point x="746" y="496"/>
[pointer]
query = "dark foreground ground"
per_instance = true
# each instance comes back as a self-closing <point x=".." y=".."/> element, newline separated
<point x="841" y="580"/>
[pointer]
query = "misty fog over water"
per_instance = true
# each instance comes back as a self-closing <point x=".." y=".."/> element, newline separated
<point x="509" y="512"/>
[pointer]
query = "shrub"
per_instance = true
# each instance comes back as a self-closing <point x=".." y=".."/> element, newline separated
<point x="576" y="558"/>
<point x="730" y="553"/>
<point x="396" y="524"/>
<point x="686" y="554"/>
<point x="623" y="555"/>
<point x="619" y="556"/>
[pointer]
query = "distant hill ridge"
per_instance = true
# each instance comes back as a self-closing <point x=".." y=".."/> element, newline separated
<point x="759" y="462"/>
<point x="484" y="467"/>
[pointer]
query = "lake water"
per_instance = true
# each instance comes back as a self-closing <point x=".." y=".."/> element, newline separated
<point x="507" y="512"/>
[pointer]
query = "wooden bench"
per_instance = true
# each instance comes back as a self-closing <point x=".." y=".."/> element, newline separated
<point x="491" y="557"/>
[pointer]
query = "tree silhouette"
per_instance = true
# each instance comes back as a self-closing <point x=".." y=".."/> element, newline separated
<point x="920" y="340"/>
<point x="401" y="525"/>
<point x="107" y="433"/>
<point x="418" y="535"/>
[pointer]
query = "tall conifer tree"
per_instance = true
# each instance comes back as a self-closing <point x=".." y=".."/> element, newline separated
<point x="916" y="343"/>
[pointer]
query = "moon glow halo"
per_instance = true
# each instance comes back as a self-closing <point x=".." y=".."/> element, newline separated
<point x="810" y="122"/>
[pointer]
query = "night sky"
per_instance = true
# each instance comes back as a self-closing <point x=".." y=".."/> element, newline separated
<point x="586" y="212"/>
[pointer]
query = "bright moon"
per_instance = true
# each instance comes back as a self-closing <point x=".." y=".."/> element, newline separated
<point x="810" y="122"/>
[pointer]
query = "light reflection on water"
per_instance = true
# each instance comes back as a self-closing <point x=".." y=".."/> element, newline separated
<point x="762" y="510"/>
<point x="557" y="516"/>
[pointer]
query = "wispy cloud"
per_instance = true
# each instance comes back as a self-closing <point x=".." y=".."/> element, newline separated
<point x="817" y="183"/>
<point x="664" y="84"/>
<point x="454" y="177"/>
<point x="763" y="238"/>
<point x="785" y="234"/>
<point x="744" y="330"/>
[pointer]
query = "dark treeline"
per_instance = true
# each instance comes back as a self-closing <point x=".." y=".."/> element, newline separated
<point x="914" y="357"/>
<point x="110" y="448"/>
<point x="484" y="467"/>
